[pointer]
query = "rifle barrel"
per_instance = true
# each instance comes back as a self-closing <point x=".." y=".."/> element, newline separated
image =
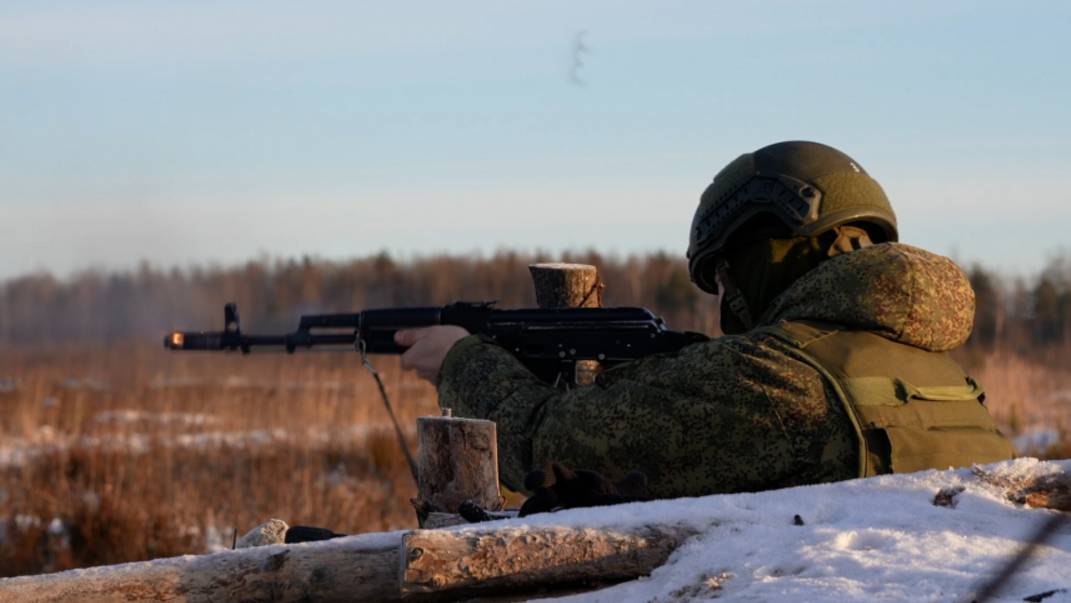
<point x="223" y="340"/>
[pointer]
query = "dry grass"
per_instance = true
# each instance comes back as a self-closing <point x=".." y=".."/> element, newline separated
<point x="121" y="454"/>
<point x="1028" y="395"/>
<point x="135" y="453"/>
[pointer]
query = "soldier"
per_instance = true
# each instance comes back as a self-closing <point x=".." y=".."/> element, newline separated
<point x="833" y="365"/>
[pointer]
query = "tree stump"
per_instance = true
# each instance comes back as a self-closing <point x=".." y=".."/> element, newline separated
<point x="457" y="460"/>
<point x="559" y="285"/>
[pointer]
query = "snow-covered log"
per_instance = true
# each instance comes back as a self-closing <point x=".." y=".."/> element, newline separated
<point x="927" y="536"/>
<point x="418" y="565"/>
<point x="347" y="569"/>
<point x="512" y="559"/>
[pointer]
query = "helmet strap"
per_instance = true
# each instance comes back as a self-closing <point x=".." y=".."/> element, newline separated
<point x="733" y="297"/>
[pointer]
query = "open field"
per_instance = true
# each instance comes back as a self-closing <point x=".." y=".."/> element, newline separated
<point x="129" y="452"/>
<point x="1031" y="400"/>
<point x="133" y="453"/>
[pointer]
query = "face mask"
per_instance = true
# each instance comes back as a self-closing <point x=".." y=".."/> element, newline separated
<point x="765" y="267"/>
<point x="762" y="270"/>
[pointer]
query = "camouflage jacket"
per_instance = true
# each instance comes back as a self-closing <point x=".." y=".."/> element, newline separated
<point x="736" y="413"/>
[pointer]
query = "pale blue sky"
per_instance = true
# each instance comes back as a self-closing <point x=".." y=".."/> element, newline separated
<point x="191" y="131"/>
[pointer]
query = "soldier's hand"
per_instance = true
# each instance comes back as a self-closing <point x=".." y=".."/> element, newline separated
<point x="427" y="348"/>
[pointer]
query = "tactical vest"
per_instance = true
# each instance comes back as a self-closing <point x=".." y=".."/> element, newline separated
<point x="911" y="409"/>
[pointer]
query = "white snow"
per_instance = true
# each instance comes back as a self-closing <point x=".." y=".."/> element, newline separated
<point x="241" y="382"/>
<point x="8" y="385"/>
<point x="130" y="415"/>
<point x="878" y="539"/>
<point x="15" y="451"/>
<point x="1036" y="440"/>
<point x="85" y="383"/>
<point x="217" y="540"/>
<point x="863" y="540"/>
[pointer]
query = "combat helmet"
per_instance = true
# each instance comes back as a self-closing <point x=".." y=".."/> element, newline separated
<point x="808" y="186"/>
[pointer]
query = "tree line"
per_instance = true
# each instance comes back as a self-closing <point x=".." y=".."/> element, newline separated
<point x="1028" y="315"/>
<point x="1025" y="313"/>
<point x="272" y="293"/>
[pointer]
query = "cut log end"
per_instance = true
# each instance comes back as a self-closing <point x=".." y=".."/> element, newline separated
<point x="561" y="285"/>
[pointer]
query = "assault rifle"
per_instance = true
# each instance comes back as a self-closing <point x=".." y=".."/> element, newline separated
<point x="547" y="341"/>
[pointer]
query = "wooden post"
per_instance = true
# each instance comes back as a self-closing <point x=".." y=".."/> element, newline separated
<point x="560" y="285"/>
<point x="457" y="460"/>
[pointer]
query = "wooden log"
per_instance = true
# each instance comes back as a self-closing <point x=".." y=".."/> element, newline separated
<point x="559" y="285"/>
<point x="457" y="460"/>
<point x="422" y="565"/>
<point x="1050" y="491"/>
<point x="346" y="569"/>
<point x="474" y="562"/>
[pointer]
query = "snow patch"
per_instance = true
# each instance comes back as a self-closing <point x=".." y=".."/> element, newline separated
<point x="880" y="538"/>
<point x="129" y="415"/>
<point x="85" y="383"/>
<point x="1036" y="441"/>
<point x="1063" y="395"/>
<point x="241" y="382"/>
<point x="16" y="452"/>
<point x="862" y="540"/>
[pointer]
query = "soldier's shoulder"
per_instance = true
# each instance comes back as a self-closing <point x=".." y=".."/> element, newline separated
<point x="902" y="292"/>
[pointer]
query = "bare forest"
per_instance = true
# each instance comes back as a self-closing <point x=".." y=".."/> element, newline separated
<point x="112" y="449"/>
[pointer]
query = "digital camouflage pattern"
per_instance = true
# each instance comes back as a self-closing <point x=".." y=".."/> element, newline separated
<point x="736" y="413"/>
<point x="917" y="297"/>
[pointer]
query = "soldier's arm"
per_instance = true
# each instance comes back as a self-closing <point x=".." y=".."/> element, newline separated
<point x="725" y="415"/>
